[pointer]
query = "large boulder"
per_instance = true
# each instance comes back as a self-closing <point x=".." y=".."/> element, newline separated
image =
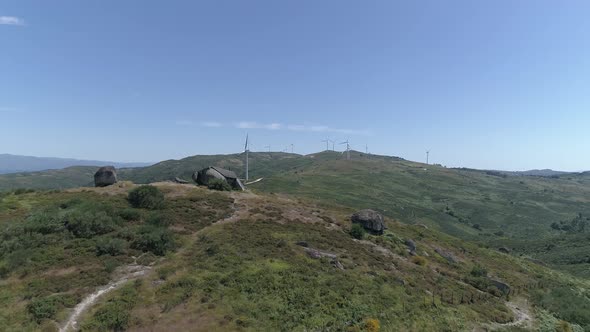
<point x="411" y="246"/>
<point x="105" y="176"/>
<point x="371" y="220"/>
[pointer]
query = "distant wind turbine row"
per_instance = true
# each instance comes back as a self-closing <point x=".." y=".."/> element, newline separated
<point x="327" y="141"/>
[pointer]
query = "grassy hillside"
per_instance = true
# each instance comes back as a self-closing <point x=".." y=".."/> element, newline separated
<point x="484" y="206"/>
<point x="219" y="261"/>
<point x="470" y="204"/>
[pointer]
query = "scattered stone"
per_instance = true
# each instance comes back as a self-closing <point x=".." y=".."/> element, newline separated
<point x="447" y="255"/>
<point x="504" y="250"/>
<point x="336" y="263"/>
<point x="422" y="225"/>
<point x="411" y="246"/>
<point x="316" y="254"/>
<point x="371" y="220"/>
<point x="179" y="180"/>
<point x="105" y="176"/>
<point x="302" y="243"/>
<point x="503" y="287"/>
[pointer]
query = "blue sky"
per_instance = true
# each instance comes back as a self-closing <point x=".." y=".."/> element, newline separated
<point x="495" y="84"/>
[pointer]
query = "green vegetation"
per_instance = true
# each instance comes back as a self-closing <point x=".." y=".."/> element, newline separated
<point x="55" y="248"/>
<point x="357" y="231"/>
<point x="254" y="272"/>
<point x="146" y="197"/>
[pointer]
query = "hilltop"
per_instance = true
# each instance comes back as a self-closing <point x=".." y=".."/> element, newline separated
<point x="208" y="261"/>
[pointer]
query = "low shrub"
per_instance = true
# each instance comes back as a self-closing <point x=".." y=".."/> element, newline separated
<point x="372" y="325"/>
<point x="218" y="184"/>
<point x="146" y="197"/>
<point x="129" y="214"/>
<point x="114" y="314"/>
<point x="45" y="222"/>
<point x="43" y="308"/>
<point x="157" y="219"/>
<point x="418" y="260"/>
<point x="479" y="271"/>
<point x="110" y="246"/>
<point x="357" y="231"/>
<point x="87" y="224"/>
<point x="156" y="240"/>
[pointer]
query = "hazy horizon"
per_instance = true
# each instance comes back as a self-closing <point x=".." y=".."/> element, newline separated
<point x="499" y="85"/>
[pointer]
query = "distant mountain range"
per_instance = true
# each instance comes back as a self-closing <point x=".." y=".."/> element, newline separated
<point x="10" y="163"/>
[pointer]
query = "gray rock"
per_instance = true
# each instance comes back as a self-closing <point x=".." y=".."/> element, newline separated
<point x="411" y="246"/>
<point x="105" y="176"/>
<point x="179" y="180"/>
<point x="502" y="286"/>
<point x="447" y="255"/>
<point x="371" y="220"/>
<point x="504" y="250"/>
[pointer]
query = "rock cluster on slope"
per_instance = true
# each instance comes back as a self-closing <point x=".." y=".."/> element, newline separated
<point x="371" y="220"/>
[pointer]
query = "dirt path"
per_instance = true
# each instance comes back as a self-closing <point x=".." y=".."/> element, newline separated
<point x="123" y="274"/>
<point x="522" y="313"/>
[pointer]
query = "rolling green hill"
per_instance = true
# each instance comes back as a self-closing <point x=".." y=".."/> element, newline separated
<point x="483" y="206"/>
<point x="214" y="261"/>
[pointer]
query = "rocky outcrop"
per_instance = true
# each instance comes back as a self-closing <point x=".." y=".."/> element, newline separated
<point x="411" y="246"/>
<point x="317" y="254"/>
<point x="105" y="176"/>
<point x="447" y="255"/>
<point x="502" y="286"/>
<point x="371" y="220"/>
<point x="179" y="180"/>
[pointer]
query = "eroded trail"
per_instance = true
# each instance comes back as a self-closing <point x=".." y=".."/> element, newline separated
<point x="122" y="275"/>
<point x="522" y="314"/>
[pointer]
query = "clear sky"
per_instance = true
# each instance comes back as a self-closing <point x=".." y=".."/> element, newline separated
<point x="486" y="84"/>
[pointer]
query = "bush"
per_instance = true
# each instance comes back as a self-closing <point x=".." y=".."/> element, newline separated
<point x="418" y="260"/>
<point x="43" y="308"/>
<point x="157" y="219"/>
<point x="45" y="222"/>
<point x="218" y="184"/>
<point x="129" y="214"/>
<point x="147" y="197"/>
<point x="357" y="231"/>
<point x="479" y="271"/>
<point x="157" y="240"/>
<point x="372" y="325"/>
<point x="110" y="246"/>
<point x="114" y="314"/>
<point x="88" y="224"/>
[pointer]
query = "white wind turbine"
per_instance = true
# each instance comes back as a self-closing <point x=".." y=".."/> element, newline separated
<point x="347" y="149"/>
<point x="247" y="151"/>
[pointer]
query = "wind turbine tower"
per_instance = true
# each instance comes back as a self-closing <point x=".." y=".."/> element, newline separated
<point x="427" y="156"/>
<point x="347" y="149"/>
<point x="268" y="147"/>
<point x="247" y="151"/>
<point x="291" y="148"/>
<point x="327" y="140"/>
